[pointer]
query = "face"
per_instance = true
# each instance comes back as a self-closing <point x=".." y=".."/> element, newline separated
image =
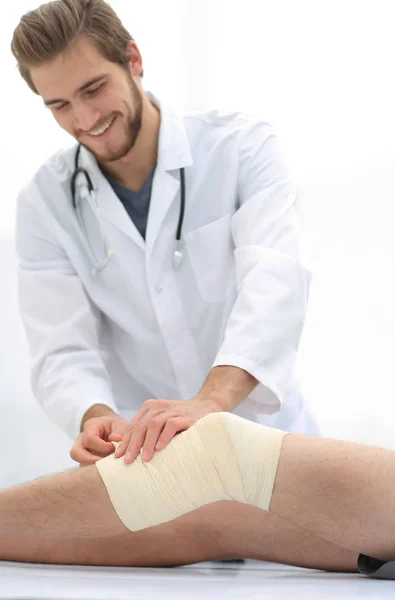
<point x="96" y="101"/>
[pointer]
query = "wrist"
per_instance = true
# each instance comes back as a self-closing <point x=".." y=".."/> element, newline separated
<point x="97" y="410"/>
<point x="226" y="387"/>
<point x="220" y="399"/>
<point x="213" y="402"/>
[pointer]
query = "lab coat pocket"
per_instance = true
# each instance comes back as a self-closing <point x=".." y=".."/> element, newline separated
<point x="210" y="250"/>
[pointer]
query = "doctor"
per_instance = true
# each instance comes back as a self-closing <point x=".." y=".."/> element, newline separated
<point x="159" y="271"/>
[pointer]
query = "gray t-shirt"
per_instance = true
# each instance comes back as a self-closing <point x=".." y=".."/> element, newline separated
<point x="135" y="203"/>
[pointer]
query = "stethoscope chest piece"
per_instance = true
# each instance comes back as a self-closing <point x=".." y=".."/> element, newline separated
<point x="178" y="255"/>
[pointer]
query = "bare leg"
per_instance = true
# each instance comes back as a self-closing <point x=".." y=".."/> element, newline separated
<point x="69" y="505"/>
<point x="74" y="505"/>
<point x="219" y="531"/>
<point x="341" y="491"/>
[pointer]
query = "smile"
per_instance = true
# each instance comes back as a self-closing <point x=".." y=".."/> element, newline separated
<point x="99" y="132"/>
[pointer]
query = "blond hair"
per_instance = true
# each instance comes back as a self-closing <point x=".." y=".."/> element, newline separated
<point x="44" y="33"/>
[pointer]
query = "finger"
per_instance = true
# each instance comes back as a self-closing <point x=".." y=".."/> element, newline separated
<point x="81" y="454"/>
<point x="155" y="428"/>
<point x="93" y="435"/>
<point x="120" y="451"/>
<point x="132" y="449"/>
<point x="135" y="445"/>
<point x="145" y="408"/>
<point x="133" y="425"/>
<point x="148" y="410"/>
<point x="77" y="448"/>
<point x="97" y="445"/>
<point x="92" y="461"/>
<point x="137" y="429"/>
<point x="114" y="437"/>
<point x="172" y="427"/>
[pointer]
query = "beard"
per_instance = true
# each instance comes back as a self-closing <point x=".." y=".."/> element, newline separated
<point x="132" y="127"/>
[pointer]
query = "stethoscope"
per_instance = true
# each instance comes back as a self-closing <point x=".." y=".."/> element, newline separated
<point x="84" y="200"/>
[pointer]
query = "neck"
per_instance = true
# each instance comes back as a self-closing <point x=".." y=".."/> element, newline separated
<point x="133" y="169"/>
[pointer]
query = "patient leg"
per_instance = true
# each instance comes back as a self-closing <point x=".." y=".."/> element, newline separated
<point x="217" y="531"/>
<point x="70" y="505"/>
<point x="337" y="490"/>
<point x="342" y="491"/>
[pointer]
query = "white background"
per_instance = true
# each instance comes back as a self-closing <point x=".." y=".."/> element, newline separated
<point x="322" y="73"/>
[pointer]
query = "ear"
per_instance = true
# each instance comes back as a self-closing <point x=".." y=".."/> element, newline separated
<point x="135" y="58"/>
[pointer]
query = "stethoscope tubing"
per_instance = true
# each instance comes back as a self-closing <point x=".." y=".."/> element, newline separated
<point x="178" y="253"/>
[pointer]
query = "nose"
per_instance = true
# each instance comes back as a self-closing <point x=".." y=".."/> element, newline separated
<point x="85" y="116"/>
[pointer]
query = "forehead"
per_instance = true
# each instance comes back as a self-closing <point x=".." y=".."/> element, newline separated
<point x="68" y="71"/>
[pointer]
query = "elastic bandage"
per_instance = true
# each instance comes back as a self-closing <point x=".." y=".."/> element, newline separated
<point x="221" y="457"/>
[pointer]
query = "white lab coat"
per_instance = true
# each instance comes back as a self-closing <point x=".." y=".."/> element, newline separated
<point x="140" y="329"/>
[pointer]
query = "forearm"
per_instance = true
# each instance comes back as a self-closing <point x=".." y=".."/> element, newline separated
<point x="97" y="410"/>
<point x="227" y="387"/>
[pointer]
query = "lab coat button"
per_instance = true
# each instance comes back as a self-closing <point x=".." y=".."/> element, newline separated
<point x="158" y="289"/>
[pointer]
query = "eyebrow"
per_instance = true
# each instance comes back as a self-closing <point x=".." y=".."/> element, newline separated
<point x="81" y="89"/>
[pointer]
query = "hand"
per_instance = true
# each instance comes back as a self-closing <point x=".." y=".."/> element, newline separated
<point x="157" y="422"/>
<point x="94" y="442"/>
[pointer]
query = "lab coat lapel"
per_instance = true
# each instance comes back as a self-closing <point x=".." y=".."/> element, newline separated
<point x="165" y="188"/>
<point x="110" y="206"/>
<point x="173" y="154"/>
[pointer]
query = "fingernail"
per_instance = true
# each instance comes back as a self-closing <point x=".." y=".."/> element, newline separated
<point x="128" y="456"/>
<point x="159" y="446"/>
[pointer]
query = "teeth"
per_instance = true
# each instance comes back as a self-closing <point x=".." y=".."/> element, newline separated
<point x="101" y="131"/>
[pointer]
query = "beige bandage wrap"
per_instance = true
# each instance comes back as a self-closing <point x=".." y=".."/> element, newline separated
<point x="221" y="457"/>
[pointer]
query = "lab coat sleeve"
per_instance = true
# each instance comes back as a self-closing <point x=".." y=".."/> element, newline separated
<point x="265" y="326"/>
<point x="62" y="326"/>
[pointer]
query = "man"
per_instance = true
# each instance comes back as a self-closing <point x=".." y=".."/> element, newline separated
<point x="159" y="274"/>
